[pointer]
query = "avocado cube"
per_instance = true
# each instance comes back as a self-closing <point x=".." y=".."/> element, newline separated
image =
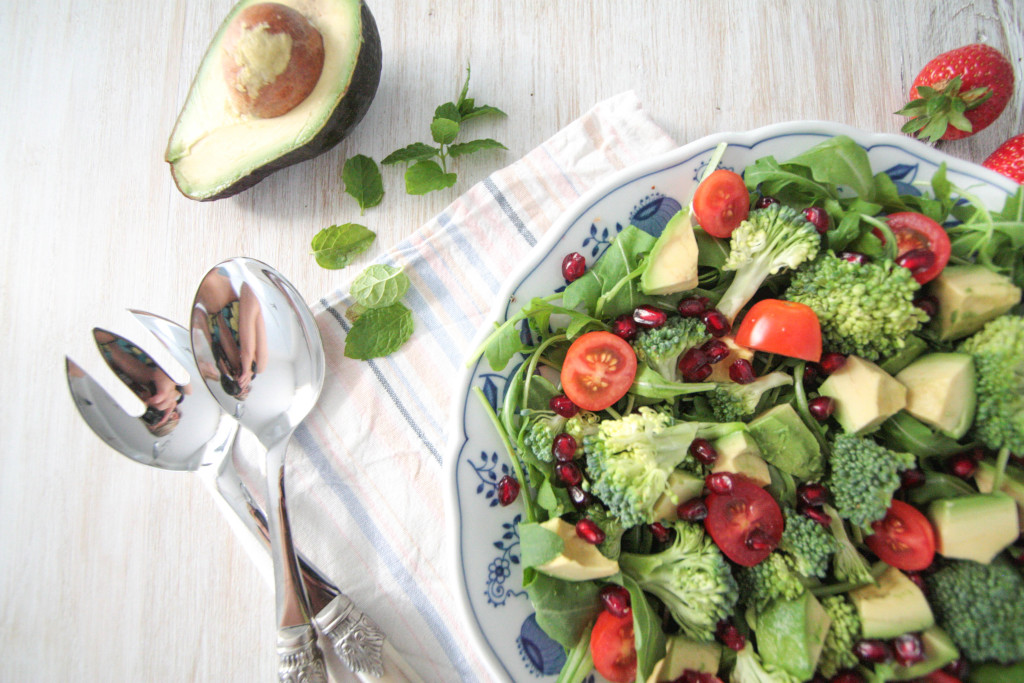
<point x="940" y="391"/>
<point x="672" y="264"/>
<point x="786" y="442"/>
<point x="682" y="486"/>
<point x="1013" y="484"/>
<point x="577" y="560"/>
<point x="974" y="527"/>
<point x="683" y="654"/>
<point x="865" y="395"/>
<point x="969" y="296"/>
<point x="892" y="607"/>
<point x="739" y="453"/>
<point x="791" y="634"/>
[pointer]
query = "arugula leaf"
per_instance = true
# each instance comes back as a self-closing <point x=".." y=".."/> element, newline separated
<point x="336" y="246"/>
<point x="649" y="383"/>
<point x="648" y="636"/>
<point x="363" y="182"/>
<point x="379" y="332"/>
<point x="839" y="161"/>
<point x="503" y="345"/>
<point x="472" y="146"/>
<point x="417" y="151"/>
<point x="427" y="176"/>
<point x="379" y="285"/>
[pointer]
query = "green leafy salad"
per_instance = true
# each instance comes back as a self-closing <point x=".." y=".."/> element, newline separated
<point x="784" y="440"/>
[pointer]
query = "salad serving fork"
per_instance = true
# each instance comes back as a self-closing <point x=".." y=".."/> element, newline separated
<point x="186" y="430"/>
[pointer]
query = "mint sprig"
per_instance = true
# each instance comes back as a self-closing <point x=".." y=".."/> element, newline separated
<point x="428" y="171"/>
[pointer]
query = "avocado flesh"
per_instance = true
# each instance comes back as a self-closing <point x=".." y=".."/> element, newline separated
<point x="791" y="634"/>
<point x="969" y="296"/>
<point x="940" y="391"/>
<point x="215" y="152"/>
<point x="672" y="265"/>
<point x="892" y="607"/>
<point x="787" y="443"/>
<point x="976" y="527"/>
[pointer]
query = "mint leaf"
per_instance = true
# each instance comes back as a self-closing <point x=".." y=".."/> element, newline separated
<point x="485" y="110"/>
<point x="444" y="131"/>
<point x="354" y="311"/>
<point x="448" y="110"/>
<point x="462" y="101"/>
<point x="463" y="148"/>
<point x="379" y="286"/>
<point x="336" y="246"/>
<point x="363" y="182"/>
<point x="417" y="151"/>
<point x="427" y="176"/>
<point x="379" y="332"/>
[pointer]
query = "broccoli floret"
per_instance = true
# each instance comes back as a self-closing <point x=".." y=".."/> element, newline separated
<point x="981" y="607"/>
<point x="661" y="347"/>
<point x="731" y="402"/>
<point x="773" y="578"/>
<point x="810" y="544"/>
<point x="864" y="477"/>
<point x="750" y="669"/>
<point x="843" y="634"/>
<point x="629" y="461"/>
<point x="691" y="577"/>
<point x="768" y="241"/>
<point x="998" y="353"/>
<point x="866" y="309"/>
<point x="539" y="432"/>
<point x="848" y="564"/>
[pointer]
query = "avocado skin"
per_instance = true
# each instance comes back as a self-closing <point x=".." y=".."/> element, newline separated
<point x="350" y="110"/>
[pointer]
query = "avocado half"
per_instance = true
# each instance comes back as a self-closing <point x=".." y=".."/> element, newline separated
<point x="217" y="151"/>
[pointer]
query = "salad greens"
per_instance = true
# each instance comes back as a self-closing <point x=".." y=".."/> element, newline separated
<point x="780" y="487"/>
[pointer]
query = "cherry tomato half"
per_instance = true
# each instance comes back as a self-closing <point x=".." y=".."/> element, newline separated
<point x="613" y="647"/>
<point x="916" y="231"/>
<point x="787" y="328"/>
<point x="598" y="370"/>
<point x="721" y="202"/>
<point x="746" y="523"/>
<point x="904" y="538"/>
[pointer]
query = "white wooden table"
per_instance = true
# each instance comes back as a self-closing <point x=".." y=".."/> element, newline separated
<point x="110" y="571"/>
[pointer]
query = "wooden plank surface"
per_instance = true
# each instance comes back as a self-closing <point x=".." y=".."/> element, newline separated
<point x="110" y="571"/>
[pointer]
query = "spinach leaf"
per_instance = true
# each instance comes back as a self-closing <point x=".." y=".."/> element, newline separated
<point x="648" y="636"/>
<point x="538" y="545"/>
<point x="565" y="609"/>
<point x="618" y="262"/>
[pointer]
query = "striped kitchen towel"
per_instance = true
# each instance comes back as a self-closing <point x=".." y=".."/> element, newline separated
<point x="365" y="470"/>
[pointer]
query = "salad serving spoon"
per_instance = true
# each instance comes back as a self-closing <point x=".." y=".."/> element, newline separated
<point x="199" y="437"/>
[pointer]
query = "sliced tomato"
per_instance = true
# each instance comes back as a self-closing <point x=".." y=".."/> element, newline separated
<point x="787" y="328"/>
<point x="598" y="370"/>
<point x="721" y="202"/>
<point x="613" y="647"/>
<point x="746" y="523"/>
<point x="916" y="231"/>
<point x="904" y="538"/>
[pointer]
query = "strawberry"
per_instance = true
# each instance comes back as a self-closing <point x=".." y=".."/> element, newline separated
<point x="1008" y="159"/>
<point x="959" y="93"/>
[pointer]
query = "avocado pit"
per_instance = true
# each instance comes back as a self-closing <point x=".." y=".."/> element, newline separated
<point x="272" y="59"/>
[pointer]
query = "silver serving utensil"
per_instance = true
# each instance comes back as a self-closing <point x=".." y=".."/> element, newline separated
<point x="199" y="437"/>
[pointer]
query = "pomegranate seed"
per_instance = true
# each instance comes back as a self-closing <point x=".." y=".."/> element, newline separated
<point x="508" y="490"/>
<point x="715" y="350"/>
<point x="569" y="473"/>
<point x="962" y="465"/>
<point x="693" y="510"/>
<point x="854" y="257"/>
<point x="719" y="482"/>
<point x="730" y="636"/>
<point x="564" y="447"/>
<point x="847" y="676"/>
<point x="574" y="265"/>
<point x="911" y="479"/>
<point x="821" y="408"/>
<point x="692" y="363"/>
<point x="812" y="371"/>
<point x="814" y="495"/>
<point x="580" y="498"/>
<point x="703" y="451"/>
<point x="818" y="217"/>
<point x="624" y="327"/>
<point x="759" y="540"/>
<point x="659" y="532"/>
<point x="918" y="579"/>
<point x="589" y="531"/>
<point x="831" y="362"/>
<point x="742" y="372"/>
<point x="927" y="303"/>
<point x="916" y="260"/>
<point x="908" y="649"/>
<point x="716" y="323"/>
<point x="815" y="513"/>
<point x="649" y="317"/>
<point x="563" y="406"/>
<point x="764" y="201"/>
<point x="693" y="306"/>
<point x="977" y="454"/>
<point x="872" y="651"/>
<point x="959" y="668"/>
<point x="615" y="600"/>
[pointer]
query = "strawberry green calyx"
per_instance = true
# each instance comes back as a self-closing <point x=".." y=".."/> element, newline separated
<point x="938" y="108"/>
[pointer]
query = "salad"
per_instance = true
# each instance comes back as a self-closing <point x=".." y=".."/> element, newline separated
<point x="780" y="441"/>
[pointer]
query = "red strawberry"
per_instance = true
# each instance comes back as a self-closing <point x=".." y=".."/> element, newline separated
<point x="959" y="93"/>
<point x="1008" y="159"/>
